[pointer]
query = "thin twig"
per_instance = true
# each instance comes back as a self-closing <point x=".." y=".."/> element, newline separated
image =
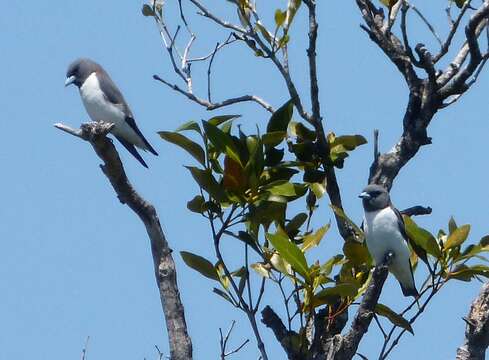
<point x="209" y="73"/>
<point x="427" y="23"/>
<point x="85" y="349"/>
<point x="216" y="105"/>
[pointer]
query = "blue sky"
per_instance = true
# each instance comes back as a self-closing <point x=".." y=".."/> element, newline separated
<point x="75" y="263"/>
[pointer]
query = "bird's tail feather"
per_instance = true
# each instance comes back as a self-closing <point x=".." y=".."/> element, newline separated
<point x="130" y="147"/>
<point x="409" y="291"/>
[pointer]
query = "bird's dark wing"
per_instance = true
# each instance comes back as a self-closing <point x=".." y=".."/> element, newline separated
<point x="402" y="228"/>
<point x="111" y="91"/>
<point x="418" y="250"/>
<point x="113" y="95"/>
<point x="130" y="147"/>
<point x="409" y="291"/>
<point x="133" y="126"/>
<point x="400" y="223"/>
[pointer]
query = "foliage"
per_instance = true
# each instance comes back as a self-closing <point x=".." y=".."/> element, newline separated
<point x="262" y="189"/>
<point x="247" y="183"/>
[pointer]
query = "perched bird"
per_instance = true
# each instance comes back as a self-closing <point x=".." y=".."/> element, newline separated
<point x="104" y="102"/>
<point x="386" y="236"/>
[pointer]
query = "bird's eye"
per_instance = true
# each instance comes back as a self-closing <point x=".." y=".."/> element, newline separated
<point x="375" y="193"/>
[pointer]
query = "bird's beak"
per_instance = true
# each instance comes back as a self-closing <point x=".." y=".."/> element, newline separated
<point x="364" y="195"/>
<point x="70" y="80"/>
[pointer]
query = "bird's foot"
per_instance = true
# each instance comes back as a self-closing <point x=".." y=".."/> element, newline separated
<point x="389" y="256"/>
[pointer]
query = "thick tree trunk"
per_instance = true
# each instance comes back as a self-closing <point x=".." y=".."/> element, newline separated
<point x="477" y="329"/>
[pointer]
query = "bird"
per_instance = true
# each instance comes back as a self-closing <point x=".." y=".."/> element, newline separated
<point x="386" y="236"/>
<point x="104" y="101"/>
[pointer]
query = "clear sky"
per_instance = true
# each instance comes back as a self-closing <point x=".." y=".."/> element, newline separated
<point x="74" y="262"/>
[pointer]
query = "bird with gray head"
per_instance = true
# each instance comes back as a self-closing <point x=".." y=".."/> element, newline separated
<point x="103" y="101"/>
<point x="386" y="236"/>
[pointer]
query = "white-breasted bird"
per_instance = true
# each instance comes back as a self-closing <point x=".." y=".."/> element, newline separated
<point x="386" y="236"/>
<point x="104" y="102"/>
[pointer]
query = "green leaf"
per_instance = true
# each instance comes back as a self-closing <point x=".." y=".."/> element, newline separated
<point x="314" y="239"/>
<point x="248" y="239"/>
<point x="460" y="3"/>
<point x="189" y="125"/>
<point x="263" y="30"/>
<point x="280" y="17"/>
<point x="348" y="142"/>
<point x="261" y="269"/>
<point x="395" y="318"/>
<point x="299" y="130"/>
<point x="267" y="212"/>
<point x="273" y="156"/>
<point x="147" y="10"/>
<point x="391" y="3"/>
<point x="466" y="273"/>
<point x="223" y="295"/>
<point x="286" y="189"/>
<point x="341" y="214"/>
<point x="458" y="236"/>
<point x="279" y="121"/>
<point x="280" y="264"/>
<point x="292" y="8"/>
<point x="284" y="40"/>
<point x="327" y="267"/>
<point x="185" y="143"/>
<point x="290" y="253"/>
<point x="234" y="177"/>
<point x="296" y="222"/>
<point x="318" y="189"/>
<point x="340" y="145"/>
<point x="278" y="173"/>
<point x="272" y="139"/>
<point x="196" y="204"/>
<point x="421" y="237"/>
<point x="342" y="290"/>
<point x="207" y="182"/>
<point x="452" y="225"/>
<point x="222" y="142"/>
<point x="218" y="120"/>
<point x="330" y="295"/>
<point x="356" y="252"/>
<point x="484" y="241"/>
<point x="200" y="264"/>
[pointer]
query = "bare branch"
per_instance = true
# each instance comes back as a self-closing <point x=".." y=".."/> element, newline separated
<point x="389" y="43"/>
<point x="474" y="28"/>
<point x="164" y="266"/>
<point x="453" y="30"/>
<point x="284" y="336"/>
<point x="427" y="23"/>
<point x="85" y="348"/>
<point x="205" y="12"/>
<point x="209" y="72"/>
<point x="417" y="210"/>
<point x="224" y="341"/>
<point x="212" y="106"/>
<point x="392" y="16"/>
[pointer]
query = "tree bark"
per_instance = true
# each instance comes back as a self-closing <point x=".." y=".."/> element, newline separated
<point x="477" y="329"/>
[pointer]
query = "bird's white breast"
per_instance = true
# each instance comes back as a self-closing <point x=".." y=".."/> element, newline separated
<point x="100" y="109"/>
<point x="383" y="235"/>
<point x="97" y="106"/>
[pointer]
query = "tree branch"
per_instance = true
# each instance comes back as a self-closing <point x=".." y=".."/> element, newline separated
<point x="284" y="336"/>
<point x="216" y="105"/>
<point x="164" y="266"/>
<point x="359" y="327"/>
<point x="477" y="329"/>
